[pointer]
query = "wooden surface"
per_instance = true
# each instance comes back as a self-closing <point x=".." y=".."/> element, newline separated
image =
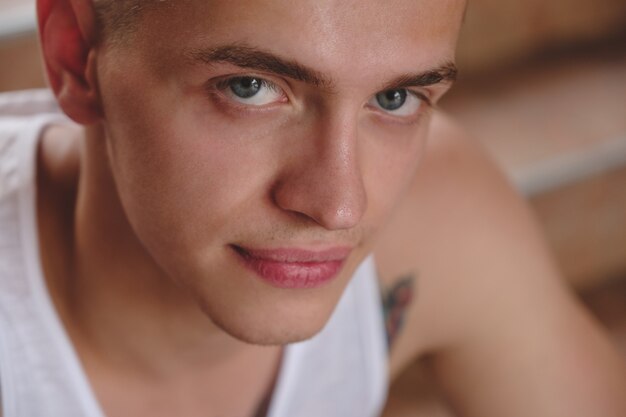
<point x="585" y="223"/>
<point x="558" y="128"/>
<point x="502" y="32"/>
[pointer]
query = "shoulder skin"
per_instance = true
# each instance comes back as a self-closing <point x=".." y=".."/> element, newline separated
<point x="501" y="330"/>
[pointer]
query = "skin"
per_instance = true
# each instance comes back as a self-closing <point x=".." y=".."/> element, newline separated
<point x="168" y="170"/>
<point x="492" y="320"/>
<point x="297" y="161"/>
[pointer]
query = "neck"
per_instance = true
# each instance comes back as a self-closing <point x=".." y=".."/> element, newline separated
<point x="118" y="303"/>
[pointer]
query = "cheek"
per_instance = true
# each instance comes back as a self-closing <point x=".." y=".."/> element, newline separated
<point x="181" y="174"/>
<point x="390" y="160"/>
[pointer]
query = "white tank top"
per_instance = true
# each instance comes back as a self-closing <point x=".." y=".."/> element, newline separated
<point x="341" y="372"/>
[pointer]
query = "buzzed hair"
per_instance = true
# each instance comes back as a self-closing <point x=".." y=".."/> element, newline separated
<point x="117" y="19"/>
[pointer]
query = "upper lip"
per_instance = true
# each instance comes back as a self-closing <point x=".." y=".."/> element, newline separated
<point x="295" y="255"/>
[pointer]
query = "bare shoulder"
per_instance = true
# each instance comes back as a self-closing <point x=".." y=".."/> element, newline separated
<point x="448" y="234"/>
<point x="488" y="301"/>
<point x="59" y="156"/>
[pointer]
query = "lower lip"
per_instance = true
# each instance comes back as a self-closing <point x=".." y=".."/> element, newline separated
<point x="292" y="275"/>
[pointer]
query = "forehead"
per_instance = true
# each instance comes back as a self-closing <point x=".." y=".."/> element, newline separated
<point x="329" y="35"/>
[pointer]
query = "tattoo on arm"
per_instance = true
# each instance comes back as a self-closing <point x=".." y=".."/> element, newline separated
<point x="396" y="300"/>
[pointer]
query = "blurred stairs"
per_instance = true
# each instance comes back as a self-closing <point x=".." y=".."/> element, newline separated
<point x="557" y="126"/>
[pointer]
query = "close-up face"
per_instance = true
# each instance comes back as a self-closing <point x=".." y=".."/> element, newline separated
<point x="258" y="146"/>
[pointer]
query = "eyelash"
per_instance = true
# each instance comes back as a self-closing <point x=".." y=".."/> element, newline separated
<point x="218" y="87"/>
<point x="218" y="90"/>
<point x="225" y="83"/>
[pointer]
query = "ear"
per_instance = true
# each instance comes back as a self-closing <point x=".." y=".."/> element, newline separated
<point x="67" y="30"/>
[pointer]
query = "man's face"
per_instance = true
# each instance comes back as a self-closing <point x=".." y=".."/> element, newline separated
<point x="246" y="135"/>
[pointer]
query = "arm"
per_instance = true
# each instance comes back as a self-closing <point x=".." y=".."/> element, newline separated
<point x="502" y="332"/>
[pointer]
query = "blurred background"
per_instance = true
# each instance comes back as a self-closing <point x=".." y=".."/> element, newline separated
<point x="543" y="87"/>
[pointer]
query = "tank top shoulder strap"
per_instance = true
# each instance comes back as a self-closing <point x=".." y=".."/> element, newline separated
<point x="39" y="372"/>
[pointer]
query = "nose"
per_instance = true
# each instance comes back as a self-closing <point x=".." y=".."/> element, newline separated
<point x="324" y="182"/>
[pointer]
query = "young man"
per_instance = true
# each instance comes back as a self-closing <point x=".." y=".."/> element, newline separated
<point x="207" y="237"/>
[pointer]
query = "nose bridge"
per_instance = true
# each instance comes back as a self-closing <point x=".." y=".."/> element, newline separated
<point x="325" y="183"/>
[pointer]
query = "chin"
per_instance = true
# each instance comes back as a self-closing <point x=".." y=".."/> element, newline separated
<point x="267" y="332"/>
<point x="269" y="322"/>
<point x="274" y="336"/>
<point x="251" y="310"/>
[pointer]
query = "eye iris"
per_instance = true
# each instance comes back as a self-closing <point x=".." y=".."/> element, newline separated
<point x="391" y="99"/>
<point x="245" y="87"/>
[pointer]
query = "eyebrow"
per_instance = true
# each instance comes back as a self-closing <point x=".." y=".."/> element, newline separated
<point x="253" y="58"/>
<point x="446" y="73"/>
<point x="245" y="56"/>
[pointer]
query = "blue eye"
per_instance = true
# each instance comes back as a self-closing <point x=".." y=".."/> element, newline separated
<point x="398" y="102"/>
<point x="391" y="100"/>
<point x="245" y="87"/>
<point x="253" y="91"/>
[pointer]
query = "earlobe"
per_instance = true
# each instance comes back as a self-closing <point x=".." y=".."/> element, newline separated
<point x="67" y="31"/>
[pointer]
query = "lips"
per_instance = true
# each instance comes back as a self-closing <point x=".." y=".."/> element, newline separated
<point x="294" y="268"/>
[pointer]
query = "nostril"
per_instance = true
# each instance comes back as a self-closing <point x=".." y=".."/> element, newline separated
<point x="334" y="205"/>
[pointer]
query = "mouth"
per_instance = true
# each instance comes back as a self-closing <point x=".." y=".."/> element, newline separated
<point x="294" y="268"/>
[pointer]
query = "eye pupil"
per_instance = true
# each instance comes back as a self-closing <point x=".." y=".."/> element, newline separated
<point x="245" y="87"/>
<point x="391" y="99"/>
